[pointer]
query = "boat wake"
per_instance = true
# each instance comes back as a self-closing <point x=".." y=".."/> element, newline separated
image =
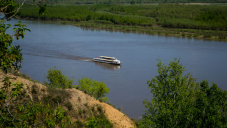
<point x="74" y="57"/>
<point x="61" y="56"/>
<point x="87" y="60"/>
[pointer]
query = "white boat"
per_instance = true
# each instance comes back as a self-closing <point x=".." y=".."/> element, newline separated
<point x="106" y="59"/>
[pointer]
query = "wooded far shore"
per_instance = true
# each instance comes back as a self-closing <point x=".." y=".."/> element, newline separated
<point x="207" y="21"/>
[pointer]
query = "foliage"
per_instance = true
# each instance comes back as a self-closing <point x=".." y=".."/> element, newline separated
<point x="133" y="2"/>
<point x="95" y="122"/>
<point x="69" y="106"/>
<point x="94" y="88"/>
<point x="128" y="1"/>
<point x="9" y="54"/>
<point x="57" y="80"/>
<point x="9" y="7"/>
<point x="95" y="118"/>
<point x="210" y="106"/>
<point x="166" y="15"/>
<point x="92" y="122"/>
<point x="55" y="97"/>
<point x="25" y="113"/>
<point x="98" y="119"/>
<point x="16" y="108"/>
<point x="83" y="13"/>
<point x="180" y="101"/>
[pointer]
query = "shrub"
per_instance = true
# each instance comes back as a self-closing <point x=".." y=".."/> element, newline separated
<point x="57" y="99"/>
<point x="34" y="91"/>
<point x="190" y="35"/>
<point x="133" y="2"/>
<point x="221" y="37"/>
<point x="57" y="79"/>
<point x="207" y="35"/>
<point x="69" y="106"/>
<point x="94" y="88"/>
<point x="79" y="98"/>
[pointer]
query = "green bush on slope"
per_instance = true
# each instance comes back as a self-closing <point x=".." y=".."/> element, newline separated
<point x="93" y="88"/>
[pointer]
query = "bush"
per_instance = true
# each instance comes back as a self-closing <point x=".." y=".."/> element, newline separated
<point x="57" y="99"/>
<point x="221" y="37"/>
<point x="57" y="79"/>
<point x="94" y="88"/>
<point x="69" y="106"/>
<point x="207" y="35"/>
<point x="133" y="2"/>
<point x="34" y="91"/>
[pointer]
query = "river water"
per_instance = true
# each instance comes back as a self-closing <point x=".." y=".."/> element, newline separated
<point x="71" y="48"/>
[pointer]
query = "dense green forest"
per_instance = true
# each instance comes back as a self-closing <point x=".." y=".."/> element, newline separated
<point x="208" y="21"/>
<point x="129" y="1"/>
<point x="166" y="15"/>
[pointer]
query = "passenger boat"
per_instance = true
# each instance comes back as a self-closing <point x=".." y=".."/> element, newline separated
<point x="106" y="59"/>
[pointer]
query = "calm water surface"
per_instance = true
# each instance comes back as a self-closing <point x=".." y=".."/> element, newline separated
<point x="70" y="48"/>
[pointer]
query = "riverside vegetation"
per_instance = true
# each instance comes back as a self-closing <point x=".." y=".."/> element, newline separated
<point x="129" y="1"/>
<point x="207" y="22"/>
<point x="178" y="101"/>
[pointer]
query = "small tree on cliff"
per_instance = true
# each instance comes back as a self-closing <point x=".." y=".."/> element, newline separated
<point x="57" y="80"/>
<point x="94" y="88"/>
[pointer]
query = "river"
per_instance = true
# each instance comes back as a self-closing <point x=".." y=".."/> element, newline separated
<point x="70" y="48"/>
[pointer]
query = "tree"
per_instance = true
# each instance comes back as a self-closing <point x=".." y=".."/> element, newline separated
<point x="133" y="2"/>
<point x="16" y="109"/>
<point x="57" y="80"/>
<point x="180" y="101"/>
<point x="9" y="54"/>
<point x="210" y="106"/>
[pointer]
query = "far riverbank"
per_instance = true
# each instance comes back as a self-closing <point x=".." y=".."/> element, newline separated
<point x="165" y="19"/>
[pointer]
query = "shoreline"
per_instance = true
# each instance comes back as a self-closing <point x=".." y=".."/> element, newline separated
<point x="149" y="30"/>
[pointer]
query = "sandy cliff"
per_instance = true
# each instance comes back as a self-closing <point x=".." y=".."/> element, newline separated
<point x="78" y="99"/>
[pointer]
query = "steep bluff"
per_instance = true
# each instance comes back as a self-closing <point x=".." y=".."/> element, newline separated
<point x="81" y="105"/>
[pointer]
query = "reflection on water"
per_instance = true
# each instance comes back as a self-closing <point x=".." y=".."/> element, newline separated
<point x="108" y="66"/>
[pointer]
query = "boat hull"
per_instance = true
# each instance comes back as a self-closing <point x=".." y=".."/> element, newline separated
<point x="106" y="61"/>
